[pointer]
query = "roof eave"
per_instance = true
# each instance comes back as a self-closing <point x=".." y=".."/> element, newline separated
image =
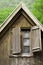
<point x="36" y="21"/>
<point x="21" y="5"/>
<point x="2" y="26"/>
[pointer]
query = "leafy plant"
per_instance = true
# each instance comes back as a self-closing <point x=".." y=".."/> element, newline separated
<point x="38" y="10"/>
<point x="4" y="14"/>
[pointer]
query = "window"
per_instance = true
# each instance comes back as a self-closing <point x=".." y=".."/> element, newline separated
<point x="25" y="41"/>
<point x="26" y="44"/>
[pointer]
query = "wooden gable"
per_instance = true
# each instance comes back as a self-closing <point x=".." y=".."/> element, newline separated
<point x="20" y="18"/>
<point x="21" y="7"/>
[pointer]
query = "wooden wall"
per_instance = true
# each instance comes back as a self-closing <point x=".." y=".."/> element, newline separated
<point x="5" y="49"/>
<point x="5" y="44"/>
<point x="26" y="61"/>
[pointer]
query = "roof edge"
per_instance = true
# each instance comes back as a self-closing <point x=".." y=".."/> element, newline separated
<point x="30" y="14"/>
<point x="13" y="12"/>
<point x="21" y="5"/>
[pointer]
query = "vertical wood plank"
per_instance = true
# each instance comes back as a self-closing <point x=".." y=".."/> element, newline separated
<point x="16" y="46"/>
<point x="36" y="39"/>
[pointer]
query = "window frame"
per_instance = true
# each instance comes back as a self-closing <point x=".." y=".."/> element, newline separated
<point x="22" y="54"/>
<point x="27" y="54"/>
<point x="31" y="52"/>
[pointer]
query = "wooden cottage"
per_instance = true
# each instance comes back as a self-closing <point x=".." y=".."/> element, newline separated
<point x="21" y="39"/>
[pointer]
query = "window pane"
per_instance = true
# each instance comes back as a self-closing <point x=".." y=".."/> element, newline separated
<point x="26" y="42"/>
<point x="26" y="49"/>
<point x="26" y="35"/>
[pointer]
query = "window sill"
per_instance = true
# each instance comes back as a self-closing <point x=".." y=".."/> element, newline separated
<point x="23" y="55"/>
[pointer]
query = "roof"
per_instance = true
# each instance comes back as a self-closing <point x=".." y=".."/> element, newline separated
<point x="21" y="5"/>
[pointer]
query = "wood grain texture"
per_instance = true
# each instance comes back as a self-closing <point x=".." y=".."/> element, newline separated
<point x="15" y="41"/>
<point x="5" y="44"/>
<point x="36" y="39"/>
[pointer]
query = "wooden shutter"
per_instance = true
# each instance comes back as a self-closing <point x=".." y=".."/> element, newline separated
<point x="36" y="39"/>
<point x="15" y="41"/>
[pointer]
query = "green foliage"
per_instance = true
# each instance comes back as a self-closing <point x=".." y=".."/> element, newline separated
<point x="7" y="6"/>
<point x="4" y="13"/>
<point x="38" y="10"/>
